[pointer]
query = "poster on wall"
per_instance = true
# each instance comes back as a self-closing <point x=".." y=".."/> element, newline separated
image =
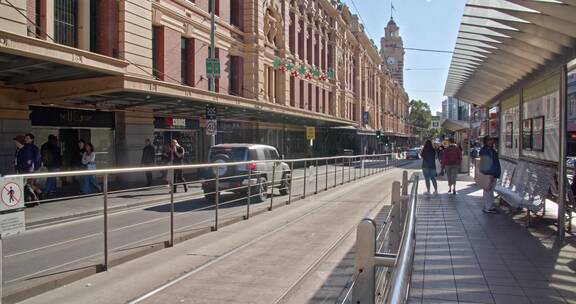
<point x="493" y="122"/>
<point x="509" y="134"/>
<point x="538" y="134"/>
<point x="527" y="134"/>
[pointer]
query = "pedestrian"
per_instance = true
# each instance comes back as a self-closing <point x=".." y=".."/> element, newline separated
<point x="37" y="161"/>
<point x="428" y="155"/>
<point x="89" y="162"/>
<point x="24" y="164"/>
<point x="440" y="157"/>
<point x="177" y="157"/>
<point x="165" y="159"/>
<point x="489" y="167"/>
<point x="148" y="159"/>
<point x="451" y="159"/>
<point x="52" y="160"/>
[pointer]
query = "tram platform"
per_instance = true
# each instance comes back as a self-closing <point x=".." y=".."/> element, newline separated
<point x="466" y="256"/>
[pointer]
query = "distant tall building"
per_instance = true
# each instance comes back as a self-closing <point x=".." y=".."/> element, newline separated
<point x="455" y="109"/>
<point x="392" y="52"/>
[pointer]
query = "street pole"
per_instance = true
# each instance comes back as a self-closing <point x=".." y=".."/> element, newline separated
<point x="211" y="78"/>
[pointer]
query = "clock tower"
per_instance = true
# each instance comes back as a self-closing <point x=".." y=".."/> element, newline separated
<point x="392" y="52"/>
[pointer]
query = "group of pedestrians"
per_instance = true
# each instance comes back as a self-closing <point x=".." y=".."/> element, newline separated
<point x="172" y="154"/>
<point x="450" y="159"/>
<point x="29" y="158"/>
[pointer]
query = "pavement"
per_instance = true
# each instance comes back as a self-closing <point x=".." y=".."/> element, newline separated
<point x="271" y="258"/>
<point x="466" y="256"/>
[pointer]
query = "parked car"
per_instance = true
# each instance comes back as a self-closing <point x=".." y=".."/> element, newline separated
<point x="413" y="153"/>
<point x="236" y="179"/>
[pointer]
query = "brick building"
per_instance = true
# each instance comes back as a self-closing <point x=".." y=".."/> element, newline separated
<point x="115" y="72"/>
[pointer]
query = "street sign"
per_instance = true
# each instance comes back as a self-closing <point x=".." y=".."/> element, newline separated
<point x="210" y="112"/>
<point x="12" y="223"/>
<point x="213" y="67"/>
<point x="12" y="196"/>
<point x="310" y="133"/>
<point x="211" y="127"/>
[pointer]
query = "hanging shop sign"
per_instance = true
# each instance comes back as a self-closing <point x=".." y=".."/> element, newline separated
<point x="175" y="123"/>
<point x="59" y="117"/>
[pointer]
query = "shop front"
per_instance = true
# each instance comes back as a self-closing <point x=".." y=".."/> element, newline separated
<point x="186" y="131"/>
<point x="71" y="126"/>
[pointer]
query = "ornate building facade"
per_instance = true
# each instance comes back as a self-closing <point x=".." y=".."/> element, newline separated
<point x="115" y="72"/>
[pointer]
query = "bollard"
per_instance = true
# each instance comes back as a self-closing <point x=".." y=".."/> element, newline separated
<point x="365" y="261"/>
<point x="395" y="217"/>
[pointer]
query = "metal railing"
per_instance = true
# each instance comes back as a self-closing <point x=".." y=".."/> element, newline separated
<point x="256" y="186"/>
<point x="383" y="259"/>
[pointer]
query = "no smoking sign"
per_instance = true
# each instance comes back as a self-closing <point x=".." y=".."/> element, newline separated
<point x="12" y="195"/>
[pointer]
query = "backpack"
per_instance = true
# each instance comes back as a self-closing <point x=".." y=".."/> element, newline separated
<point x="452" y="156"/>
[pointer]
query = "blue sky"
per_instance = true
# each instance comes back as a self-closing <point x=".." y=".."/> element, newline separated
<point x="428" y="24"/>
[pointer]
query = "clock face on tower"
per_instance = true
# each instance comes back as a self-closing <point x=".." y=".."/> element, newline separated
<point x="391" y="60"/>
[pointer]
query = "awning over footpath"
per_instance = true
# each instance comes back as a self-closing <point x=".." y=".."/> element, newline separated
<point x="455" y="125"/>
<point x="500" y="42"/>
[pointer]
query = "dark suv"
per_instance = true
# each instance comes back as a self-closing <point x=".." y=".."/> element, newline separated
<point x="235" y="178"/>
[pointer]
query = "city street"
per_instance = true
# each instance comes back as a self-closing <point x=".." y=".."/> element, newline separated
<point x="76" y="244"/>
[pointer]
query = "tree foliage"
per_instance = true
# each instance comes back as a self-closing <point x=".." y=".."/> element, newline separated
<point x="420" y="116"/>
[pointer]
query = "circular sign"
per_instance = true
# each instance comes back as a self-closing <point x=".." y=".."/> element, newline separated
<point x="11" y="194"/>
<point x="211" y="127"/>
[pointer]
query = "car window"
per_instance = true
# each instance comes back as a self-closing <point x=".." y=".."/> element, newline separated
<point x="271" y="154"/>
<point x="234" y="154"/>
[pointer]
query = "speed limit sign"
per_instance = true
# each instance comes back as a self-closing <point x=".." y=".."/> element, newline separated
<point x="211" y="127"/>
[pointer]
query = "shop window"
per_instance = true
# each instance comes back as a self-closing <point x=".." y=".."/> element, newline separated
<point x="66" y="22"/>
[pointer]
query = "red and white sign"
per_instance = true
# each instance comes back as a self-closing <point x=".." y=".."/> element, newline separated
<point x="12" y="196"/>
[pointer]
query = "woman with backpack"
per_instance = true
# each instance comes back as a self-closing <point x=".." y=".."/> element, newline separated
<point x="451" y="159"/>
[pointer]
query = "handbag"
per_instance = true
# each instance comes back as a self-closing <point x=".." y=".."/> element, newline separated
<point x="482" y="180"/>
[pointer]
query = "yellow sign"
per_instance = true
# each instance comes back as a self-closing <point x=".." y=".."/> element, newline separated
<point x="310" y="133"/>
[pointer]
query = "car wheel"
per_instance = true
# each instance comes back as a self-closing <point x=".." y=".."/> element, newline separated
<point x="260" y="192"/>
<point x="285" y="184"/>
<point x="211" y="198"/>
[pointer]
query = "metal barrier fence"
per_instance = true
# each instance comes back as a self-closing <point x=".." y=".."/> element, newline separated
<point x="383" y="259"/>
<point x="256" y="186"/>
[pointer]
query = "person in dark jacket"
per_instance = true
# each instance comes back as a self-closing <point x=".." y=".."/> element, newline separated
<point x="489" y="166"/>
<point x="24" y="163"/>
<point x="52" y="160"/>
<point x="177" y="156"/>
<point x="428" y="155"/>
<point x="148" y="159"/>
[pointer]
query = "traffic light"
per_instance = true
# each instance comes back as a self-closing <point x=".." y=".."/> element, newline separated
<point x="378" y="134"/>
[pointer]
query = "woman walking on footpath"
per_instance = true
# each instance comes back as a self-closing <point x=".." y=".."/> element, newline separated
<point x="89" y="162"/>
<point x="451" y="160"/>
<point x="490" y="168"/>
<point x="429" y="166"/>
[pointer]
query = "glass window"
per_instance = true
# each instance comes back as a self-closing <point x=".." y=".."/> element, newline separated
<point x="184" y="60"/>
<point x="66" y="22"/>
